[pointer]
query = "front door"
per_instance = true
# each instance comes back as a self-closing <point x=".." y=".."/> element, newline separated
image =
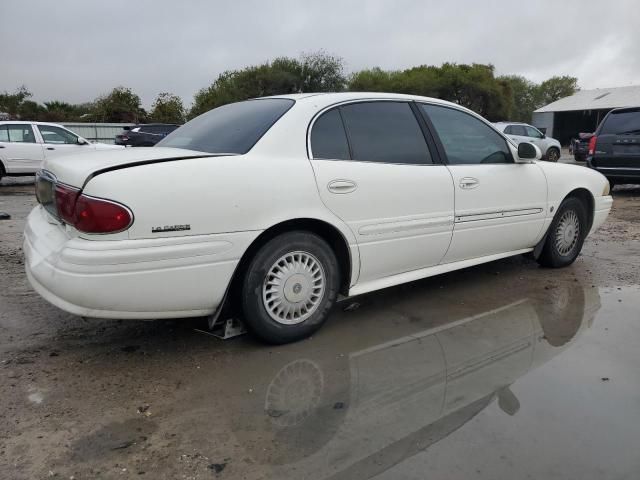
<point x="499" y="204"/>
<point x="59" y="141"/>
<point x="18" y="148"/>
<point x="535" y="136"/>
<point x="375" y="171"/>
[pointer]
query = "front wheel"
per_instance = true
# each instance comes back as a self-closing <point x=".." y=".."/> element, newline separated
<point x="553" y="155"/>
<point x="289" y="287"/>
<point x="566" y="235"/>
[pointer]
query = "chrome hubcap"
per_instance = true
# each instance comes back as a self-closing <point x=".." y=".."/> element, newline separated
<point x="293" y="288"/>
<point x="567" y="233"/>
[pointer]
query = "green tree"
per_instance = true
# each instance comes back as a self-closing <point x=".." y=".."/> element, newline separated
<point x="372" y="80"/>
<point x="322" y="72"/>
<point x="555" y="88"/>
<point x="523" y="97"/>
<point x="315" y="72"/>
<point x="119" y="105"/>
<point x="30" y="110"/>
<point x="10" y="102"/>
<point x="57" y="111"/>
<point x="167" y="108"/>
<point x="472" y="86"/>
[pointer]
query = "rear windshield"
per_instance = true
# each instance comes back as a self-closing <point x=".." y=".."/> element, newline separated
<point x="232" y="128"/>
<point x="622" y="123"/>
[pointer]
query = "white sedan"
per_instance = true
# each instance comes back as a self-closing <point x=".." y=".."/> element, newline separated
<point x="272" y="207"/>
<point x="25" y="145"/>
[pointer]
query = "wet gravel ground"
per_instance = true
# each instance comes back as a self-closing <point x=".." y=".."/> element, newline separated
<point x="505" y="370"/>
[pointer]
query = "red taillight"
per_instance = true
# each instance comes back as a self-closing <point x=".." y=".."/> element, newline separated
<point x="592" y="145"/>
<point x="65" y="199"/>
<point x="95" y="215"/>
<point x="89" y="214"/>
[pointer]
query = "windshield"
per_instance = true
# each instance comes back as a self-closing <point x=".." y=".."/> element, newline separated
<point x="233" y="128"/>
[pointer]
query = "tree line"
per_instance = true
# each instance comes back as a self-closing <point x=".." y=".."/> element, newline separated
<point x="475" y="86"/>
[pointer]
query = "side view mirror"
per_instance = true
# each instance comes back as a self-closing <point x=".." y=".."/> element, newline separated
<point x="528" y="151"/>
<point x="82" y="141"/>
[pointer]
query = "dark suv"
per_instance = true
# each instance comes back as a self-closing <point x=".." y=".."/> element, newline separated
<point x="146" y="135"/>
<point x="614" y="149"/>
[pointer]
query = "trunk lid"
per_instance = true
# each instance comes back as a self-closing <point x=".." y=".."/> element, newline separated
<point x="617" y="151"/>
<point x="74" y="170"/>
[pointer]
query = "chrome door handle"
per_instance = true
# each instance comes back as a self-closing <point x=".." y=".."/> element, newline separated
<point x="50" y="148"/>
<point x="469" y="182"/>
<point x="341" y="186"/>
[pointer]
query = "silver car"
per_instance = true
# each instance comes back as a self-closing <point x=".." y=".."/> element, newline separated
<point x="521" y="132"/>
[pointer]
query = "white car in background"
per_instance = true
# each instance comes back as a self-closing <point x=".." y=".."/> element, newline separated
<point x="274" y="206"/>
<point x="521" y="132"/>
<point x="25" y="145"/>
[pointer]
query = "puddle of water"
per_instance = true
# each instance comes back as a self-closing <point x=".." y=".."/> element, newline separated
<point x="475" y="379"/>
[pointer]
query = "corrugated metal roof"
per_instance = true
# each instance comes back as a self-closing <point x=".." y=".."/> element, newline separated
<point x="596" y="99"/>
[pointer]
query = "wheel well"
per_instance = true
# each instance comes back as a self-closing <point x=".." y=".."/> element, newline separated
<point x="552" y="148"/>
<point x="324" y="230"/>
<point x="2" y="169"/>
<point x="587" y="199"/>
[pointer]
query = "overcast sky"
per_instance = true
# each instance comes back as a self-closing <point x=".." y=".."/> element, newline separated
<point x="76" y="50"/>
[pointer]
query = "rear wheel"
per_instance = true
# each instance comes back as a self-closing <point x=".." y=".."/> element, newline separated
<point x="566" y="235"/>
<point x="289" y="287"/>
<point x="553" y="154"/>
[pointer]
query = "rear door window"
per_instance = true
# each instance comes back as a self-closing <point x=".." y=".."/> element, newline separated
<point x="328" y="138"/>
<point x="622" y="123"/>
<point x="518" y="130"/>
<point x="4" y="134"/>
<point x="21" y="133"/>
<point x="385" y="132"/>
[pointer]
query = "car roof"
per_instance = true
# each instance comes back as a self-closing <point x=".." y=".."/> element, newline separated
<point x="27" y="122"/>
<point x="329" y="98"/>
<point x="625" y="109"/>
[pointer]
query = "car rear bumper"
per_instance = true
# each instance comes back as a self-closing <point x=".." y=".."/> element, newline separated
<point x="602" y="208"/>
<point x="136" y="279"/>
<point x="629" y="173"/>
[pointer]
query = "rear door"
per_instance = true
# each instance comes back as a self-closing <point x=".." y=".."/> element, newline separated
<point x="517" y="133"/>
<point x="499" y="204"/>
<point x="19" y="150"/>
<point x="59" y="141"/>
<point x="618" y="143"/>
<point x="375" y="171"/>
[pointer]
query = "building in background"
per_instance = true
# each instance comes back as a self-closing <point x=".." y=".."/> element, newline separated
<point x="582" y="111"/>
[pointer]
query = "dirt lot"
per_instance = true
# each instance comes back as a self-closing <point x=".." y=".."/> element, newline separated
<point x="546" y="380"/>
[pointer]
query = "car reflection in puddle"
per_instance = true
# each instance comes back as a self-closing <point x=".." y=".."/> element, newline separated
<point x="372" y="391"/>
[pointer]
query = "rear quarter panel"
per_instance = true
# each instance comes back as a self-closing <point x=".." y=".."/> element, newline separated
<point x="219" y="195"/>
<point x="215" y="195"/>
